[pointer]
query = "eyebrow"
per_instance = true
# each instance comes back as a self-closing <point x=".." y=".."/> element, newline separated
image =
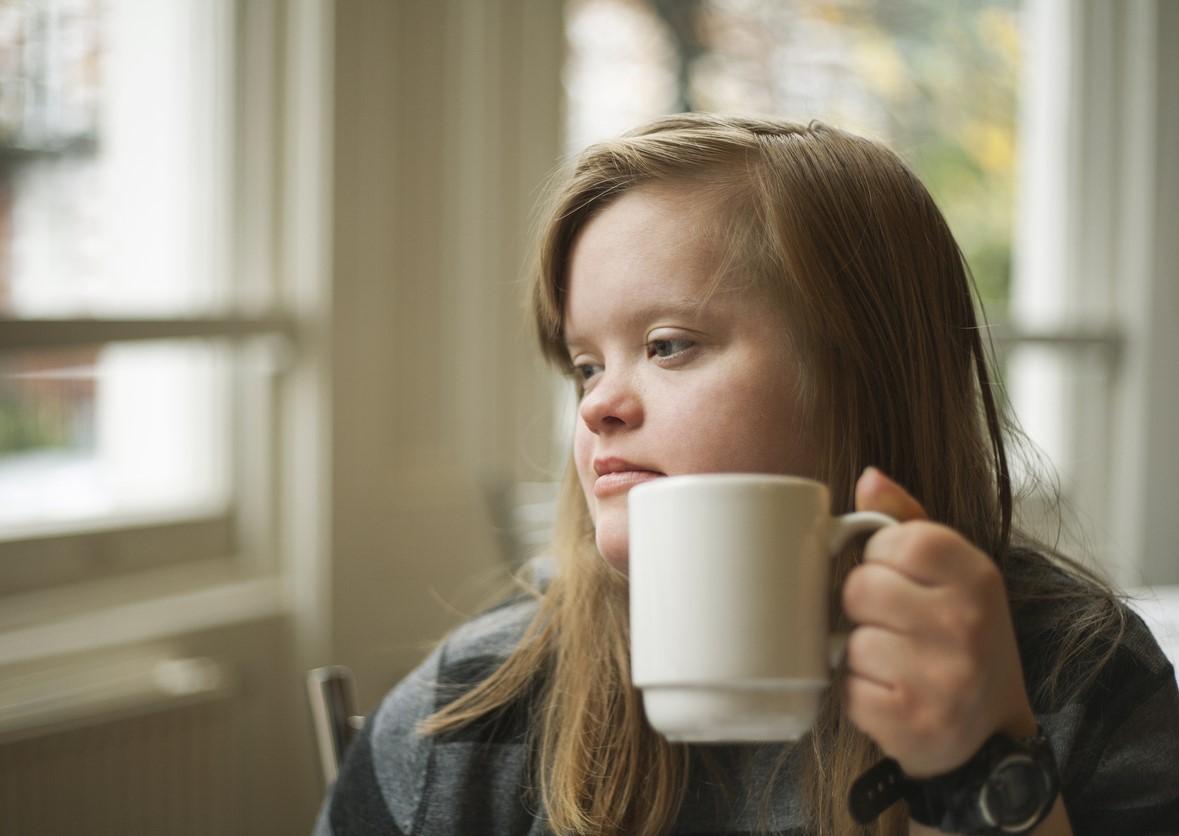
<point x="679" y="307"/>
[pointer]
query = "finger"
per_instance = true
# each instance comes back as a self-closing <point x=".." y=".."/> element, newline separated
<point x="880" y="656"/>
<point x="876" y="492"/>
<point x="871" y="707"/>
<point x="877" y="594"/>
<point x="927" y="553"/>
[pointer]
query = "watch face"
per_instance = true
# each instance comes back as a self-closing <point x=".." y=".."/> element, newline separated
<point x="1014" y="795"/>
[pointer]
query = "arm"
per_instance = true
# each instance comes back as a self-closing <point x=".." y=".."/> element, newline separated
<point x="934" y="667"/>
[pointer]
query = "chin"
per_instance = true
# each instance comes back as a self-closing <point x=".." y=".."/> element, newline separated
<point x="613" y="549"/>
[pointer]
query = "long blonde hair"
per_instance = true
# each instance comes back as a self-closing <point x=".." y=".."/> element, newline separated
<point x="880" y="306"/>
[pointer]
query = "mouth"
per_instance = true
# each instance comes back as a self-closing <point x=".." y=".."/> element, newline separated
<point x="617" y="476"/>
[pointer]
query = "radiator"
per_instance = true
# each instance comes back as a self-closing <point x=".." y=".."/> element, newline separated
<point x="159" y="742"/>
<point x="144" y="746"/>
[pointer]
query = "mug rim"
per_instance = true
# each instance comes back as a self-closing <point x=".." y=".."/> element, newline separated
<point x="726" y="479"/>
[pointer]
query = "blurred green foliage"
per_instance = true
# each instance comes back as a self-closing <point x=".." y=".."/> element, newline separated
<point x="22" y="428"/>
<point x="949" y="74"/>
<point x="936" y="80"/>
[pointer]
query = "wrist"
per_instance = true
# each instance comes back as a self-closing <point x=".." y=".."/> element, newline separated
<point x="1008" y="787"/>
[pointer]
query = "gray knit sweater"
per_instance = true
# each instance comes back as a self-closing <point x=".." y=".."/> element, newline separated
<point x="1117" y="749"/>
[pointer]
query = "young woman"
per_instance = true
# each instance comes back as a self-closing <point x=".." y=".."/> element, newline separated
<point x="738" y="295"/>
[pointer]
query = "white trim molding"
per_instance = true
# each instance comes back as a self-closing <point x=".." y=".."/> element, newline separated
<point x="446" y="121"/>
<point x="1098" y="262"/>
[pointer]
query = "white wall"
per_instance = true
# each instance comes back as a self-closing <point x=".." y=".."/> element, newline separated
<point x="446" y="120"/>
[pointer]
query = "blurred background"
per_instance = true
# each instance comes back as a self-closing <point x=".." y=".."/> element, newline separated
<point x="268" y="395"/>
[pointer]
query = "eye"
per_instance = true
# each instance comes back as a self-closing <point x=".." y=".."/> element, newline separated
<point x="585" y="371"/>
<point x="667" y="348"/>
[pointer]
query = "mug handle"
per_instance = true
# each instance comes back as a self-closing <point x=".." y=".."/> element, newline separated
<point x="849" y="525"/>
<point x="843" y="529"/>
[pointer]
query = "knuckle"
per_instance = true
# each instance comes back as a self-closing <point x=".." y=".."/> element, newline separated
<point x="935" y="540"/>
<point x="854" y="590"/>
<point x="925" y="544"/>
<point x="855" y="643"/>
<point x="859" y="647"/>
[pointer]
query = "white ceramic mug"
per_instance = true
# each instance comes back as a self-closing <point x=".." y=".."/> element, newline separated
<point x="729" y="584"/>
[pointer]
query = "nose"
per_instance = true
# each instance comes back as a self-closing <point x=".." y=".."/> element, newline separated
<point x="613" y="403"/>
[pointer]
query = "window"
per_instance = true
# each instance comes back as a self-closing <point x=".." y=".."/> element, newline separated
<point x="140" y="346"/>
<point x="1023" y="119"/>
<point x="935" y="81"/>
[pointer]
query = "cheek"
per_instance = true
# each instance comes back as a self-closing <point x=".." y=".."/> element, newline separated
<point x="740" y="423"/>
<point x="583" y="452"/>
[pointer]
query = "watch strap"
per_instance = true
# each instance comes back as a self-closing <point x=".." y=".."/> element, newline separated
<point x="949" y="802"/>
<point x="876" y="790"/>
<point x="884" y="784"/>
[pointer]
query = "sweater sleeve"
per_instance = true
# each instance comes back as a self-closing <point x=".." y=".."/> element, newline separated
<point x="1118" y="746"/>
<point x="473" y="779"/>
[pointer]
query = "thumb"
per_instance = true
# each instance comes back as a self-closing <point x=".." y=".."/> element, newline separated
<point x="876" y="492"/>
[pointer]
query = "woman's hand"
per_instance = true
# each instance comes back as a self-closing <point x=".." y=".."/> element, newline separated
<point x="933" y="665"/>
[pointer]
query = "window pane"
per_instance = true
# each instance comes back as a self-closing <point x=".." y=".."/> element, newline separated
<point x="112" y="150"/>
<point x="1044" y="382"/>
<point x="116" y="432"/>
<point x="935" y="81"/>
<point x="620" y="69"/>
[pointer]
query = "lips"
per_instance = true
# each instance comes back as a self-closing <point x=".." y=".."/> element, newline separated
<point x="617" y="476"/>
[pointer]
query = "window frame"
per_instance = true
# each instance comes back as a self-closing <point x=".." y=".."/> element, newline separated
<point x="241" y="540"/>
<point x="1096" y="185"/>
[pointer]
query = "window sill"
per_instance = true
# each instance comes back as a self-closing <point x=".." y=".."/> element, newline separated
<point x="139" y="608"/>
<point x="114" y="547"/>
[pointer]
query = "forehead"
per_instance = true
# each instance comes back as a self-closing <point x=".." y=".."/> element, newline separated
<point x="651" y="247"/>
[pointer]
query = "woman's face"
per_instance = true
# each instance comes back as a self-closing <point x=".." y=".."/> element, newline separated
<point x="676" y="381"/>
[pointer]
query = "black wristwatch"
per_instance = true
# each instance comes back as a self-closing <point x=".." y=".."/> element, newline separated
<point x="1008" y="787"/>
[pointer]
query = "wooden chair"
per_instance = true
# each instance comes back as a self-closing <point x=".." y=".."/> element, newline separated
<point x="331" y="694"/>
